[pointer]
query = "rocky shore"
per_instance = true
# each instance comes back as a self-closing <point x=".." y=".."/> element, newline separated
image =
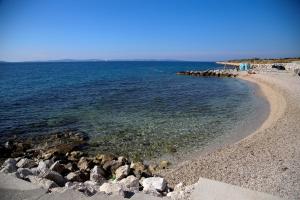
<point x="55" y="163"/>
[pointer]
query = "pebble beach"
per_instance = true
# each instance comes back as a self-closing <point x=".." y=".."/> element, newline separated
<point x="267" y="160"/>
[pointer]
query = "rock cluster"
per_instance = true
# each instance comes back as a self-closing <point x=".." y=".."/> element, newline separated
<point x="208" y="73"/>
<point x="60" y="171"/>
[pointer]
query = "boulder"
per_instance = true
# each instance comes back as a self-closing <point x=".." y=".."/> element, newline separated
<point x="44" y="183"/>
<point x="111" y="189"/>
<point x="44" y="165"/>
<point x="24" y="172"/>
<point x="35" y="171"/>
<point x="112" y="165"/>
<point x="139" y="169"/>
<point x="58" y="167"/>
<point x="122" y="172"/>
<point x="53" y="176"/>
<point x="26" y="163"/>
<point x="84" y="163"/>
<point x="131" y="183"/>
<point x="77" y="176"/>
<point x="97" y="175"/>
<point x="9" y="166"/>
<point x="74" y="155"/>
<point x="103" y="158"/>
<point x="154" y="183"/>
<point x="71" y="166"/>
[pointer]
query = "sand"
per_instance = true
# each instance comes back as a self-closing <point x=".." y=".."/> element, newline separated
<point x="267" y="160"/>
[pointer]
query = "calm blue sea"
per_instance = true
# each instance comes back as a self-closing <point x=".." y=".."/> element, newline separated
<point x="141" y="108"/>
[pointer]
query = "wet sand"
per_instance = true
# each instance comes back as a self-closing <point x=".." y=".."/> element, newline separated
<point x="268" y="160"/>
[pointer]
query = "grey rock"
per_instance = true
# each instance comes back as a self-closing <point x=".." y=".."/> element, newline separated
<point x="35" y="171"/>
<point x="9" y="166"/>
<point x="131" y="183"/>
<point x="53" y="176"/>
<point x="44" y="183"/>
<point x="24" y="172"/>
<point x="26" y="163"/>
<point x="111" y="189"/>
<point x="122" y="172"/>
<point x="76" y="176"/>
<point x="97" y="175"/>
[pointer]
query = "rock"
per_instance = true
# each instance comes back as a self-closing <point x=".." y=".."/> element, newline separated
<point x="26" y="163"/>
<point x="84" y="163"/>
<point x="8" y="145"/>
<point x="77" y="176"/>
<point x="122" y="160"/>
<point x="139" y="169"/>
<point x="44" y="165"/>
<point x="154" y="183"/>
<point x="97" y="175"/>
<point x="88" y="189"/>
<point x="9" y="166"/>
<point x="35" y="171"/>
<point x="24" y="172"/>
<point x="71" y="167"/>
<point x="74" y="155"/>
<point x="103" y="158"/>
<point x="58" y="167"/>
<point x="112" y="166"/>
<point x="122" y="172"/>
<point x="164" y="164"/>
<point x="111" y="189"/>
<point x="44" y="183"/>
<point x="152" y="168"/>
<point x="131" y="183"/>
<point x="53" y="176"/>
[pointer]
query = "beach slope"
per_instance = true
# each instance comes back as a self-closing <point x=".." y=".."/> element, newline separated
<point x="268" y="160"/>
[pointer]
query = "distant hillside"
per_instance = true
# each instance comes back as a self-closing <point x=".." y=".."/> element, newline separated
<point x="264" y="60"/>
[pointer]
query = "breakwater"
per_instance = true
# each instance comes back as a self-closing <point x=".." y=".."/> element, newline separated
<point x="209" y="73"/>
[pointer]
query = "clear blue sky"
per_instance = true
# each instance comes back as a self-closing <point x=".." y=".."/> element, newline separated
<point x="154" y="29"/>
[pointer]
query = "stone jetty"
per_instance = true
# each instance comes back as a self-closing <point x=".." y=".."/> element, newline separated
<point x="210" y="73"/>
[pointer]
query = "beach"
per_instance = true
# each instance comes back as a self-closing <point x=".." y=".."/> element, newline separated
<point x="268" y="160"/>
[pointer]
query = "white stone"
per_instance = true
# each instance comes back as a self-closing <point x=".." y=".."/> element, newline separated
<point x="154" y="183"/>
<point x="111" y="189"/>
<point x="122" y="172"/>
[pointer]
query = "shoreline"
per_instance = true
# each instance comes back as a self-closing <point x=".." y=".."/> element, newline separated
<point x="261" y="160"/>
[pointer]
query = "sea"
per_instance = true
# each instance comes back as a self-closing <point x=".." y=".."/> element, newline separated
<point x="140" y="109"/>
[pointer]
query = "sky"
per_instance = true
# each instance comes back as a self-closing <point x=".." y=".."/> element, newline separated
<point x="200" y="30"/>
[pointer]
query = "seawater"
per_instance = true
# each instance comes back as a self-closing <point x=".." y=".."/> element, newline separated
<point x="137" y="108"/>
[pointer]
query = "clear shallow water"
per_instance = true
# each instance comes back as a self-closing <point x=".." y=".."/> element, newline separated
<point x="140" y="109"/>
